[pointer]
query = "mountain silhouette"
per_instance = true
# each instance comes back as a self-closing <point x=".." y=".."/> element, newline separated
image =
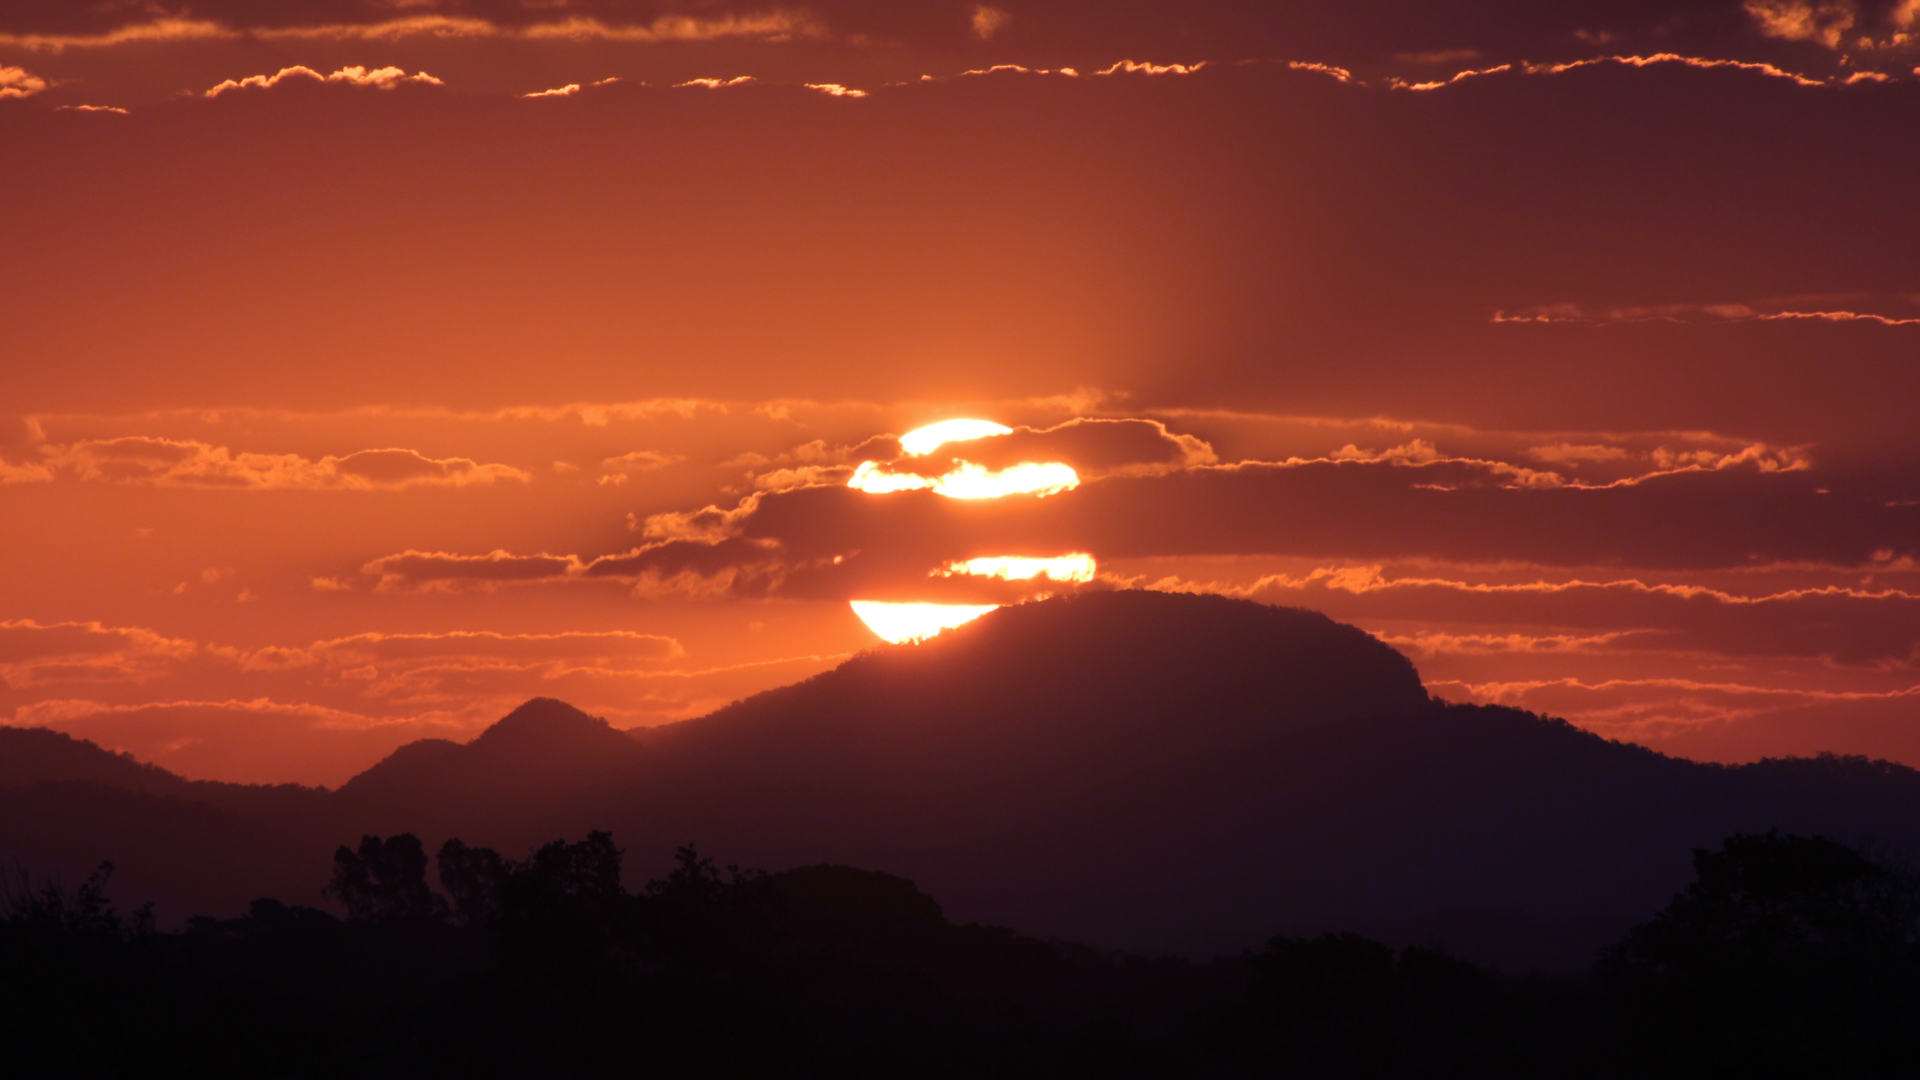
<point x="1134" y="769"/>
<point x="34" y="755"/>
<point x="543" y="744"/>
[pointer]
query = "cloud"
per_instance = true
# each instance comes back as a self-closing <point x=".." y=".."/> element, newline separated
<point x="385" y="78"/>
<point x="714" y="84"/>
<point x="25" y="472"/>
<point x="1787" y="310"/>
<point x="185" y="463"/>
<point x="1650" y="500"/>
<point x="1651" y="60"/>
<point x="610" y="645"/>
<point x="158" y="30"/>
<point x="413" y="569"/>
<point x="39" y="654"/>
<point x="1439" y="56"/>
<point x="19" y="83"/>
<point x="1860" y="626"/>
<point x="1089" y="448"/>
<point x="835" y="90"/>
<point x="1718" y="720"/>
<point x="1690" y="518"/>
<point x="1797" y="20"/>
<point x="571" y="89"/>
<point x="321" y="712"/>
<point x="1338" y="74"/>
<point x="617" y="470"/>
<point x="766" y="26"/>
<point x="639" y="461"/>
<point x="1095" y="448"/>
<point x="772" y="26"/>
<point x="240" y="740"/>
<point x="1569" y="454"/>
<point x="91" y="109"/>
<point x="696" y="569"/>
<point x="994" y="460"/>
<point x="988" y="21"/>
<point x="1136" y="67"/>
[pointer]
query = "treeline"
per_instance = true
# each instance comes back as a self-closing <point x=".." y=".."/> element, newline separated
<point x="1787" y="956"/>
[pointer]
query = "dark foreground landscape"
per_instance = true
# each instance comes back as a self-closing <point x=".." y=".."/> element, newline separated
<point x="1788" y="956"/>
<point x="1230" y="840"/>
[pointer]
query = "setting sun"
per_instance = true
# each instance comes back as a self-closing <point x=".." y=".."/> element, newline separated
<point x="965" y="480"/>
<point x="927" y="439"/>
<point x="1076" y="566"/>
<point x="915" y="622"/>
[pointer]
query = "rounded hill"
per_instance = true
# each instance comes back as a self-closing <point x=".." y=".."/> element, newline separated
<point x="1119" y="676"/>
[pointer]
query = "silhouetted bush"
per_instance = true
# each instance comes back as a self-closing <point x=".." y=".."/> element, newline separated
<point x="1788" y="956"/>
<point x="384" y="880"/>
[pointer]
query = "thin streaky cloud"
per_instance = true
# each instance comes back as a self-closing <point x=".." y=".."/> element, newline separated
<point x="159" y="462"/>
<point x="1338" y="74"/>
<point x="159" y="30"/>
<point x="385" y="78"/>
<point x="770" y="26"/>
<point x="1510" y="690"/>
<point x="53" y="712"/>
<point x="1651" y="60"/>
<point x="1139" y="67"/>
<point x="1691" y="313"/>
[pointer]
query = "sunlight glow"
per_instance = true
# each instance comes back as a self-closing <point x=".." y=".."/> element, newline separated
<point x="970" y="481"/>
<point x="873" y="477"/>
<point x="915" y="622"/>
<point x="1075" y="566"/>
<point x="898" y="622"/>
<point x="925" y="440"/>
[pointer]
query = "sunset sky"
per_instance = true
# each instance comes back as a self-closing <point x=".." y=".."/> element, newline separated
<point x="370" y="366"/>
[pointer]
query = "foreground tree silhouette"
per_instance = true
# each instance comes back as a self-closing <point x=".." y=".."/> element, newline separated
<point x="473" y="878"/>
<point x="1786" y="954"/>
<point x="386" y="880"/>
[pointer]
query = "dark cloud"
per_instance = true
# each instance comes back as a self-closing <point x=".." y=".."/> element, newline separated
<point x="1451" y="510"/>
<point x="1092" y="447"/>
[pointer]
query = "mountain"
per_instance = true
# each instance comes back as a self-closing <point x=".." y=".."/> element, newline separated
<point x="67" y="805"/>
<point x="1132" y="769"/>
<point x="33" y="755"/>
<point x="544" y="745"/>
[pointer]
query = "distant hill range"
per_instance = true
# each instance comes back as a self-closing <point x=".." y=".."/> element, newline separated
<point x="1130" y="769"/>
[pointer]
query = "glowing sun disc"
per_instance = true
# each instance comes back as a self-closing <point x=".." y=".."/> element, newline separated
<point x="969" y="481"/>
<point x="915" y="622"/>
<point x="1074" y="566"/>
<point x="925" y="440"/>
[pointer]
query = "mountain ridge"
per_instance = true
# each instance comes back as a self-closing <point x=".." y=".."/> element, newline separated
<point x="1140" y="770"/>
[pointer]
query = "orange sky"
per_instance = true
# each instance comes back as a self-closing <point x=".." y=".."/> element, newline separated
<point x="352" y="395"/>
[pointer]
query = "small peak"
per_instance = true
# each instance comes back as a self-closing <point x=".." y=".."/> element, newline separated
<point x="424" y="750"/>
<point x="545" y="721"/>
